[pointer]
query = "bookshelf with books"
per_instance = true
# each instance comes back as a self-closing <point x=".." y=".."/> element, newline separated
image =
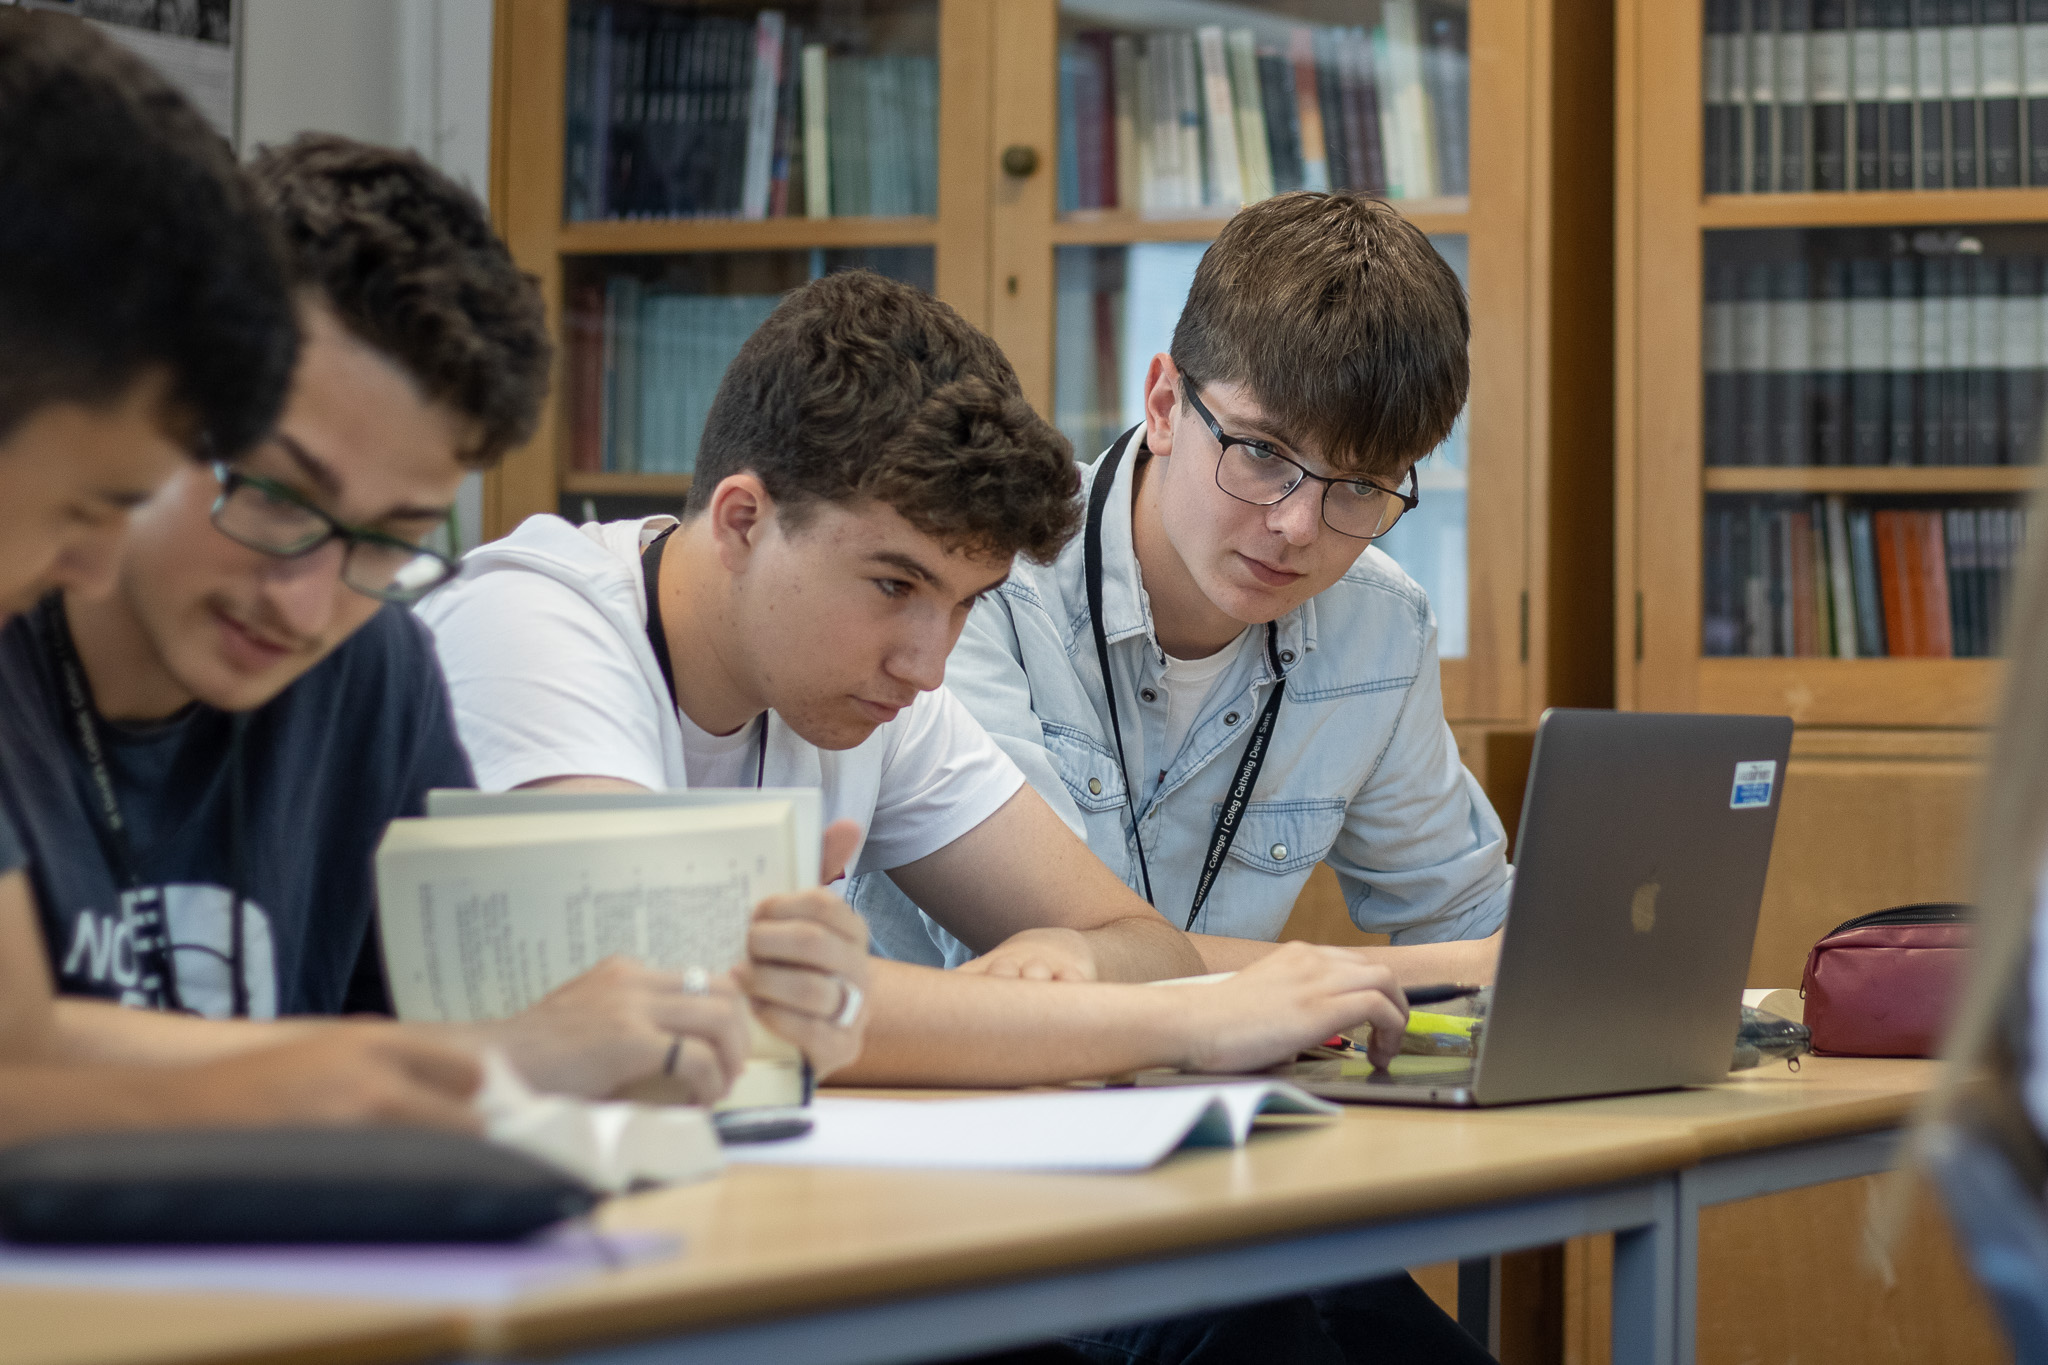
<point x="669" y="168"/>
<point x="1831" y="386"/>
<point x="1142" y="125"/>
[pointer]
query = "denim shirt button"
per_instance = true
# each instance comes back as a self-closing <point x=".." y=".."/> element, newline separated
<point x="1095" y="786"/>
<point x="1149" y="695"/>
<point x="1286" y="656"/>
<point x="1230" y="718"/>
<point x="1278" y="851"/>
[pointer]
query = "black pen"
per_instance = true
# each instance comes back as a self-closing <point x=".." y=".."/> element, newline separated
<point x="1437" y="995"/>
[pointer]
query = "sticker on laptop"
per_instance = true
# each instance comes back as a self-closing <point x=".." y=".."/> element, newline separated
<point x="1753" y="783"/>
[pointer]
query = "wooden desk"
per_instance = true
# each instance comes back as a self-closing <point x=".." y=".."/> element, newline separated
<point x="851" y="1266"/>
<point x="89" y="1327"/>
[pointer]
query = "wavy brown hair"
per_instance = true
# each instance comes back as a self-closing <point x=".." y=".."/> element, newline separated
<point x="859" y="387"/>
<point x="408" y="261"/>
<point x="1343" y="321"/>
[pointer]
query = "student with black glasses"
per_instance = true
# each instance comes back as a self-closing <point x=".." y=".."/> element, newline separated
<point x="143" y="315"/>
<point x="203" y="760"/>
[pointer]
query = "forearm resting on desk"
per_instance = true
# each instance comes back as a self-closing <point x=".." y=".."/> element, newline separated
<point x="928" y="1027"/>
<point x="1413" y="964"/>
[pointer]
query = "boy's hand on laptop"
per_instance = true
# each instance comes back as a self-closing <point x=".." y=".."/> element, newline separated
<point x="807" y="974"/>
<point x="1294" y="997"/>
<point x="621" y="1023"/>
<point x="354" y="1074"/>
<point x="1047" y="954"/>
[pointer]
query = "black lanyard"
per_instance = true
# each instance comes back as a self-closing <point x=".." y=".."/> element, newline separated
<point x="150" y="925"/>
<point x="650" y="573"/>
<point x="1240" y="793"/>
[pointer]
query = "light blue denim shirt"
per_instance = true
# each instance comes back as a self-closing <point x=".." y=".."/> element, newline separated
<point x="1362" y="772"/>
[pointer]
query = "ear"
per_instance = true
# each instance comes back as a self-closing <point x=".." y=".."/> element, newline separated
<point x="740" y="514"/>
<point x="1162" y="399"/>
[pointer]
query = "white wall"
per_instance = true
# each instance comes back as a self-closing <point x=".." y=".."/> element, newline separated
<point x="414" y="73"/>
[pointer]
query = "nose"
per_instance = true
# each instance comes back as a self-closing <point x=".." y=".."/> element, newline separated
<point x="302" y="591"/>
<point x="1298" y="517"/>
<point x="920" y="657"/>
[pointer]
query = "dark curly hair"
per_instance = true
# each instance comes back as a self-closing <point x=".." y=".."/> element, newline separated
<point x="128" y="243"/>
<point x="1342" y="320"/>
<point x="408" y="261"/>
<point x="858" y="387"/>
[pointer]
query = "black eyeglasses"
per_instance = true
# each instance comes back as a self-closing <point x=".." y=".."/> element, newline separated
<point x="267" y="516"/>
<point x="1252" y="471"/>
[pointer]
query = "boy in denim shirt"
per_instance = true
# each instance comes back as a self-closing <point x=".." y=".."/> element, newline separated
<point x="1320" y="356"/>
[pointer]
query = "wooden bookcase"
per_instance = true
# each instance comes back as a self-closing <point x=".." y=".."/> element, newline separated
<point x="1878" y="797"/>
<point x="1536" y="225"/>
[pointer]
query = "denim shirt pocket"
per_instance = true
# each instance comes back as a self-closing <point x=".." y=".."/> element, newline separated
<point x="1286" y="836"/>
<point x="1089" y="771"/>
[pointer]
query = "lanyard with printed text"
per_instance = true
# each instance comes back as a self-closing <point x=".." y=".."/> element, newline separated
<point x="1238" y="797"/>
<point x="150" y="922"/>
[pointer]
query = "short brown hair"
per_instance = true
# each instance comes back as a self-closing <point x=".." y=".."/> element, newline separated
<point x="1340" y="318"/>
<point x="862" y="387"/>
<point x="408" y="261"/>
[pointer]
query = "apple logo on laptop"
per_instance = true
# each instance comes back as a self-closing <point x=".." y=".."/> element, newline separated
<point x="1642" y="908"/>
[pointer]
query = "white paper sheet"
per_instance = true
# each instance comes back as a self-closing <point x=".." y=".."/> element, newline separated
<point x="1083" y="1130"/>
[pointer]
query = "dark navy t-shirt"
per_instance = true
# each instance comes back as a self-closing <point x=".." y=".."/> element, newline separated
<point x="351" y="745"/>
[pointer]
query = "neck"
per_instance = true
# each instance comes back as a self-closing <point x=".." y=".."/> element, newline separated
<point x="126" y="675"/>
<point x="703" y="633"/>
<point x="1188" y="624"/>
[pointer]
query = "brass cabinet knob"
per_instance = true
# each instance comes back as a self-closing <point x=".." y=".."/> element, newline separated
<point x="1019" y="160"/>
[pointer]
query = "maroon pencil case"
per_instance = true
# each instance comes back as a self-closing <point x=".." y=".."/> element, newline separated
<point x="1881" y="985"/>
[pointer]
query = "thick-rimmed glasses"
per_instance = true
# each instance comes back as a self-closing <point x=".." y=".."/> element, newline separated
<point x="1252" y="471"/>
<point x="267" y="516"/>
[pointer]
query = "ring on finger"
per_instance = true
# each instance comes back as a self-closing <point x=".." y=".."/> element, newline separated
<point x="696" y="981"/>
<point x="850" y="1002"/>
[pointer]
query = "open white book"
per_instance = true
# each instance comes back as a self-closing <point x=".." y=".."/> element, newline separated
<point x="495" y="899"/>
<point x="1072" y="1130"/>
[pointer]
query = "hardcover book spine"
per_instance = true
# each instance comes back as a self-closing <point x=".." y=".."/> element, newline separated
<point x="1791" y="363"/>
<point x="1248" y="101"/>
<point x="1842" y="580"/>
<point x="1938" y="639"/>
<point x="1866" y="127"/>
<point x="817" y="118"/>
<point x="1722" y="394"/>
<point x="1899" y="90"/>
<point x="1902" y="361"/>
<point x="1130" y="129"/>
<point x="1934" y="352"/>
<point x="1868" y="351"/>
<point x="1930" y="89"/>
<point x="1308" y="104"/>
<point x="1226" y="176"/>
<point x="1795" y="131"/>
<point x="1965" y="139"/>
<point x="1998" y="74"/>
<point x="1753" y="354"/>
<point x="1895" y="583"/>
<point x="1719" y="153"/>
<point x="2020" y="334"/>
<point x="2034" y="80"/>
<point x="1763" y="96"/>
<point x="1955" y="404"/>
<point x="1831" y="363"/>
<point x="1828" y="88"/>
<point x="1987" y="361"/>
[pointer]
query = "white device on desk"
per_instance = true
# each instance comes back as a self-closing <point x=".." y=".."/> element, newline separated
<point x="1639" y="871"/>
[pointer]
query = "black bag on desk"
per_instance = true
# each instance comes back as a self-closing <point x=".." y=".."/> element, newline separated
<point x="303" y="1185"/>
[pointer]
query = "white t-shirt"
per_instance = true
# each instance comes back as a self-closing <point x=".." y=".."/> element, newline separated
<point x="543" y="640"/>
<point x="1187" y="684"/>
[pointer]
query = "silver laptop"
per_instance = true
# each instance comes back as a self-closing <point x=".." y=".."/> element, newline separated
<point x="1638" y="873"/>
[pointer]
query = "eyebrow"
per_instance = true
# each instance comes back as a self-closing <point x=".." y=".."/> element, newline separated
<point x="322" y="473"/>
<point x="904" y="562"/>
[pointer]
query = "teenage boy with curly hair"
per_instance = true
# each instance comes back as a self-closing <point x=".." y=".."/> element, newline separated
<point x="202" y="761"/>
<point x="869" y="470"/>
<point x="143" y="314"/>
<point x="1224" y="640"/>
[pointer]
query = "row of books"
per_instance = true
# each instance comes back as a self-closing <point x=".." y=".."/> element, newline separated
<point x="677" y="113"/>
<point x="1178" y="122"/>
<point x="1875" y="94"/>
<point x="1832" y="580"/>
<point x="1902" y="361"/>
<point x="644" y="363"/>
